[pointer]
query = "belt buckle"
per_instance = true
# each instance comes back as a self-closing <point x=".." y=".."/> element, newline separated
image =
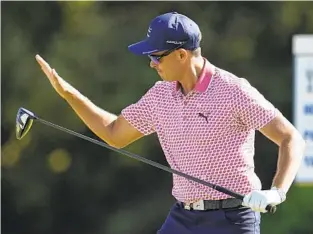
<point x="198" y="205"/>
<point x="187" y="206"/>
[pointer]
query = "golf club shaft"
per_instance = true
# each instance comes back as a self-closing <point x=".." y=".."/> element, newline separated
<point x="150" y="162"/>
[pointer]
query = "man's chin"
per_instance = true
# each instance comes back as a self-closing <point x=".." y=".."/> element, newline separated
<point x="163" y="77"/>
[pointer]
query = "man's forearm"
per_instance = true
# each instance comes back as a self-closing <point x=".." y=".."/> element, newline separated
<point x="94" y="117"/>
<point x="289" y="160"/>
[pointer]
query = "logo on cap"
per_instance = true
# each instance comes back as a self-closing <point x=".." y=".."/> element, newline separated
<point x="149" y="31"/>
<point x="175" y="42"/>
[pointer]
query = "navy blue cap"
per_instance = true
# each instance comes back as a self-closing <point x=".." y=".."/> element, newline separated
<point x="166" y="32"/>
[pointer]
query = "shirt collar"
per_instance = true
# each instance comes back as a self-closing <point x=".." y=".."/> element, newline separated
<point x="204" y="79"/>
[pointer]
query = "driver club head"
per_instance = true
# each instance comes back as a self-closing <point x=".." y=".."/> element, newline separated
<point x="24" y="121"/>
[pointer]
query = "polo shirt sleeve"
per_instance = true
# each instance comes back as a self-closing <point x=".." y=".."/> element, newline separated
<point x="140" y="115"/>
<point x="251" y="108"/>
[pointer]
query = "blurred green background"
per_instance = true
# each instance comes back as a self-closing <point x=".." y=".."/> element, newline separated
<point x="53" y="182"/>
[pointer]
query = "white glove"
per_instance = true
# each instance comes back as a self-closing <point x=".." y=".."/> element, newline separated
<point x="258" y="200"/>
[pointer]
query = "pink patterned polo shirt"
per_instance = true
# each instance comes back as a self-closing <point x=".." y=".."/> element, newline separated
<point x="208" y="133"/>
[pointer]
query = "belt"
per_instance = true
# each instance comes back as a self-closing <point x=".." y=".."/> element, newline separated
<point x="213" y="204"/>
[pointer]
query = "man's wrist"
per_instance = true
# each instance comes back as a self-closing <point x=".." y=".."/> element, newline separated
<point x="281" y="192"/>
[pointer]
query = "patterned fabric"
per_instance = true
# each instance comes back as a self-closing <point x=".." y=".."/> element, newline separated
<point x="208" y="133"/>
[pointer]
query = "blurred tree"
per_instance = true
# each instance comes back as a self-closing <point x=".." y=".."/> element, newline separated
<point x="54" y="183"/>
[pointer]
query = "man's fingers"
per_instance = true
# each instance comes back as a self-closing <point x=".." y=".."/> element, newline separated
<point x="263" y="206"/>
<point x="246" y="200"/>
<point x="45" y="67"/>
<point x="54" y="73"/>
<point x="41" y="61"/>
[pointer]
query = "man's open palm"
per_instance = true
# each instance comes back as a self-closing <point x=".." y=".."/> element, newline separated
<point x="60" y="85"/>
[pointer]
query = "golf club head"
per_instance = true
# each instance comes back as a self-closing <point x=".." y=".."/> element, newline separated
<point x="24" y="121"/>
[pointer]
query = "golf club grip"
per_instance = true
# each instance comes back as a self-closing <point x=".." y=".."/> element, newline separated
<point x="269" y="208"/>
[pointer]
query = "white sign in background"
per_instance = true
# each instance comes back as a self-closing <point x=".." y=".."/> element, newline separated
<point x="302" y="47"/>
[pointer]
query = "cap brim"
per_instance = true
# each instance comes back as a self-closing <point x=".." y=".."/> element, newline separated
<point x="142" y="48"/>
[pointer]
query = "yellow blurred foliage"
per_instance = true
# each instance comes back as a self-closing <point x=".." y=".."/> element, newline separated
<point x="10" y="153"/>
<point x="59" y="160"/>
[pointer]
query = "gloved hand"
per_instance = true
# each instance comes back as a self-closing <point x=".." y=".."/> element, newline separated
<point x="258" y="200"/>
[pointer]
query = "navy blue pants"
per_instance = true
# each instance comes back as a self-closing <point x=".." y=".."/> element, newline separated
<point x="224" y="221"/>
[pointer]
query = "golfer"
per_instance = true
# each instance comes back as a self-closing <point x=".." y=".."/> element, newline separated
<point x="205" y="119"/>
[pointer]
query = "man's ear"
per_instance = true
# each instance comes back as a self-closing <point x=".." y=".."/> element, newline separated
<point x="182" y="55"/>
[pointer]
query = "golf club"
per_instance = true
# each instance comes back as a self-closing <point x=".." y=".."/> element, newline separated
<point x="24" y="121"/>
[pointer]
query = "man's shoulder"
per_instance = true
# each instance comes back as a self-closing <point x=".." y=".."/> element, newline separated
<point x="162" y="87"/>
<point x="229" y="79"/>
<point x="239" y="88"/>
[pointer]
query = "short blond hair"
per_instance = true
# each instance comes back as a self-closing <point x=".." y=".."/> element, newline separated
<point x="197" y="52"/>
